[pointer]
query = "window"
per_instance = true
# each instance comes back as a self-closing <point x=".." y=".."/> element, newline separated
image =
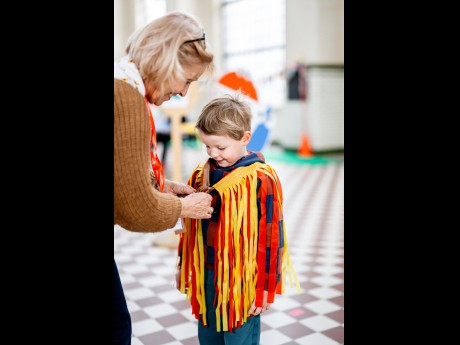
<point x="254" y="45"/>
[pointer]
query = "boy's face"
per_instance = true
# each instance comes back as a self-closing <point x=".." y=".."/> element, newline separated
<point x="225" y="150"/>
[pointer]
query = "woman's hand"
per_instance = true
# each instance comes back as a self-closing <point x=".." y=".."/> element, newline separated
<point x="177" y="188"/>
<point x="197" y="206"/>
<point x="257" y="310"/>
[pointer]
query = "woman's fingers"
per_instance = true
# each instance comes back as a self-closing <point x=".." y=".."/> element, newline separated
<point x="197" y="205"/>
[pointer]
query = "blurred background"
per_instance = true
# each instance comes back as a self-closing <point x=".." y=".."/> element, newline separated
<point x="291" y="51"/>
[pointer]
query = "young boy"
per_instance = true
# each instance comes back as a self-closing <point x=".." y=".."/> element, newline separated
<point x="231" y="266"/>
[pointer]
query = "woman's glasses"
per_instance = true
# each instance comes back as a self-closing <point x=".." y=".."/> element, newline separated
<point x="199" y="39"/>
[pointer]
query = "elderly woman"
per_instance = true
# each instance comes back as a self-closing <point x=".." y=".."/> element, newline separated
<point x="163" y="59"/>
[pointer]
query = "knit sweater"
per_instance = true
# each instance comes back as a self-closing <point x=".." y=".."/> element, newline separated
<point x="138" y="206"/>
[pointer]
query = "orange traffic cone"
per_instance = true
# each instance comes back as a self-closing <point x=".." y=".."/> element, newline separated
<point x="304" y="148"/>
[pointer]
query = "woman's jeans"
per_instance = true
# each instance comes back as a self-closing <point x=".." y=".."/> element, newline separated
<point x="121" y="317"/>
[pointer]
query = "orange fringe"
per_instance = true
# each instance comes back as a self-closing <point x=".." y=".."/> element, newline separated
<point x="240" y="250"/>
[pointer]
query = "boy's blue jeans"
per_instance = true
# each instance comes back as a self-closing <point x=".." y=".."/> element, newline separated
<point x="248" y="334"/>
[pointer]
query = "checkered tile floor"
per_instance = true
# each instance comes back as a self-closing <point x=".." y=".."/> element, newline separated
<point x="313" y="213"/>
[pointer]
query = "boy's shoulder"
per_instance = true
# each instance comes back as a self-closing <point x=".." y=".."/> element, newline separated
<point x="260" y="155"/>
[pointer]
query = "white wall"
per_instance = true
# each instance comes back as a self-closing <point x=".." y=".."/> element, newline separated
<point x="123" y="25"/>
<point x="314" y="31"/>
<point x="314" y="36"/>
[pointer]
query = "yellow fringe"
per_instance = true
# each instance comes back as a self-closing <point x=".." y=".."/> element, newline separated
<point x="235" y="218"/>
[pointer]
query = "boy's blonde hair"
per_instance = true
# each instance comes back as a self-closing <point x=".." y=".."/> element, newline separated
<point x="225" y="115"/>
<point x="161" y="48"/>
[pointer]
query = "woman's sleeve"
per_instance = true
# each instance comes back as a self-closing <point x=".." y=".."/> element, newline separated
<point x="137" y="205"/>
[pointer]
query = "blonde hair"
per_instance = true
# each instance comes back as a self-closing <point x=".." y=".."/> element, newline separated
<point x="160" y="49"/>
<point x="225" y="115"/>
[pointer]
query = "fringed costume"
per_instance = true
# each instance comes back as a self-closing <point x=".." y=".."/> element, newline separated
<point x="244" y="242"/>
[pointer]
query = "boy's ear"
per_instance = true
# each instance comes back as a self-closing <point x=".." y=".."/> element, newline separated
<point x="246" y="137"/>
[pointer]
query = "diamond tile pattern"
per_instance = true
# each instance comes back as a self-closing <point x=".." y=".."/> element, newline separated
<point x="313" y="210"/>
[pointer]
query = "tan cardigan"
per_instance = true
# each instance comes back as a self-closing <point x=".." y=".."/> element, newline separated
<point x="137" y="205"/>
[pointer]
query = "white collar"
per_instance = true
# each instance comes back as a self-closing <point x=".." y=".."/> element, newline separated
<point x="126" y="70"/>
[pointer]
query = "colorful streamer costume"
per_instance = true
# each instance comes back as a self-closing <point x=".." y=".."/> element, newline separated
<point x="244" y="242"/>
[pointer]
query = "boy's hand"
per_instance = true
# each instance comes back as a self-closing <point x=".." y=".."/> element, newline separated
<point x="258" y="310"/>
